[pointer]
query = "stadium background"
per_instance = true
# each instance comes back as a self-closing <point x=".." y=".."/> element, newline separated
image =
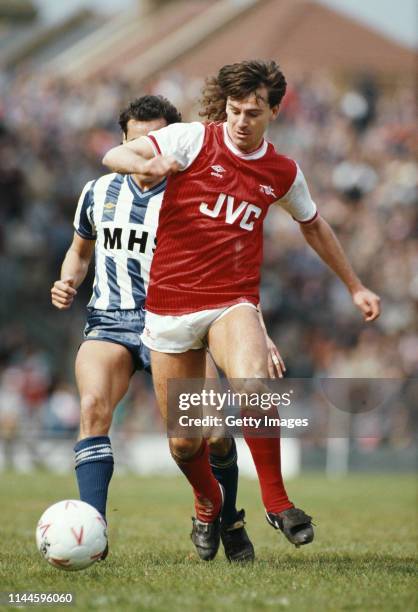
<point x="348" y="118"/>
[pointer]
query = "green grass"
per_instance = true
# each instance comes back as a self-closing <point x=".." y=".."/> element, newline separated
<point x="363" y="557"/>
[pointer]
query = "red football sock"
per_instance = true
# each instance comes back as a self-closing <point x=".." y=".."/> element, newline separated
<point x="207" y="493"/>
<point x="266" y="456"/>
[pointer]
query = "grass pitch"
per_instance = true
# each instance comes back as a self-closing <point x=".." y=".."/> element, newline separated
<point x="363" y="557"/>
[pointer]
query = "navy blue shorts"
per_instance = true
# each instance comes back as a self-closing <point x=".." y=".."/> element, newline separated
<point x="122" y="327"/>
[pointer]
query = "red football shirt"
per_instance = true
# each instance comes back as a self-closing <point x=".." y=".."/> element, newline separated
<point x="210" y="232"/>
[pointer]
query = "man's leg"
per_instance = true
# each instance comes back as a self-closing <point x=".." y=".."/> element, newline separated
<point x="223" y="458"/>
<point x="103" y="371"/>
<point x="248" y="360"/>
<point x="223" y="461"/>
<point x="191" y="454"/>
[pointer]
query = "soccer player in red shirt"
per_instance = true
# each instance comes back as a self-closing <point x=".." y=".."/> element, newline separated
<point x="204" y="287"/>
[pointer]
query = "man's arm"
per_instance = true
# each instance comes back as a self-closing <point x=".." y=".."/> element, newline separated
<point x="73" y="272"/>
<point x="138" y="157"/>
<point x="322" y="239"/>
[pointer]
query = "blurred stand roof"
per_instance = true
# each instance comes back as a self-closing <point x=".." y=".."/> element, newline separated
<point x="29" y="33"/>
<point x="18" y="10"/>
<point x="197" y="36"/>
<point x="302" y="35"/>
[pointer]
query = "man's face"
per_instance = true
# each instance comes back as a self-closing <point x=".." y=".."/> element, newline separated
<point x="247" y="119"/>
<point x="135" y="128"/>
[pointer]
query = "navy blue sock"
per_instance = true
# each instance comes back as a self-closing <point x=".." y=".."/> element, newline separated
<point x="225" y="470"/>
<point x="94" y="469"/>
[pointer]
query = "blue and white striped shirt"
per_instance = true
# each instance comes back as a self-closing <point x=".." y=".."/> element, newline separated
<point x="123" y="220"/>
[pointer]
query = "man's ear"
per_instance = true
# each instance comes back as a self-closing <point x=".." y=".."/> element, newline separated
<point x="274" y="111"/>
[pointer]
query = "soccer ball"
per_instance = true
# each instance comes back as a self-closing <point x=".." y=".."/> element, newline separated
<point x="71" y="535"/>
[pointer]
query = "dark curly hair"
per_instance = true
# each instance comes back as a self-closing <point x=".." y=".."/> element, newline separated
<point x="148" y="108"/>
<point x="238" y="81"/>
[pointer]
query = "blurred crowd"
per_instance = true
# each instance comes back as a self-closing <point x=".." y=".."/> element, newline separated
<point x="355" y="142"/>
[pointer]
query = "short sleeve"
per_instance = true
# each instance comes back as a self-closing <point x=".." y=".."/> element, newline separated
<point x="182" y="140"/>
<point x="83" y="219"/>
<point x="298" y="202"/>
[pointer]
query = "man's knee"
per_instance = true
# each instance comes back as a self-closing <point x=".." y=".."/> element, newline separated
<point x="96" y="414"/>
<point x="250" y="386"/>
<point x="244" y="369"/>
<point x="183" y="449"/>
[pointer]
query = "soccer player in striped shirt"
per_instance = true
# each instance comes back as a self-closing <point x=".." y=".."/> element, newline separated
<point x="222" y="178"/>
<point x="116" y="219"/>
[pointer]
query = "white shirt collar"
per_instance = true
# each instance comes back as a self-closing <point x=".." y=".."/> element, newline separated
<point x="260" y="152"/>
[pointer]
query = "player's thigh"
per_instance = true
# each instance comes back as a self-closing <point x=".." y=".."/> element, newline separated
<point x="211" y="373"/>
<point x="190" y="364"/>
<point x="103" y="369"/>
<point x="238" y="345"/>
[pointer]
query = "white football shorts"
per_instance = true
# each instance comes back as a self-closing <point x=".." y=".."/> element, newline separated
<point x="178" y="334"/>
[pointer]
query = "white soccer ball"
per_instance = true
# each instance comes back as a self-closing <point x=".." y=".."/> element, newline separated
<point x="71" y="535"/>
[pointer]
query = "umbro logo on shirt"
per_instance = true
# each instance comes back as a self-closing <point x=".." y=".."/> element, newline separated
<point x="218" y="171"/>
<point x="268" y="190"/>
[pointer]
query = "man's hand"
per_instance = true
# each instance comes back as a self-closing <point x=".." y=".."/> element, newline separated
<point x="322" y="239"/>
<point x="157" y="168"/>
<point x="368" y="302"/>
<point x="275" y="363"/>
<point x="63" y="293"/>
